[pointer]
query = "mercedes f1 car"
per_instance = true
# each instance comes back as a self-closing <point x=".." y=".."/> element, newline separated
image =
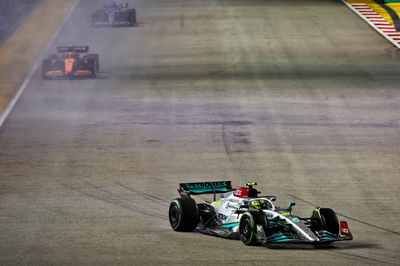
<point x="243" y="214"/>
<point x="70" y="63"/>
<point x="114" y="14"/>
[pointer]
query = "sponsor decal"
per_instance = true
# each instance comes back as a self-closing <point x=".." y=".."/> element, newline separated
<point x="207" y="185"/>
<point x="233" y="200"/>
<point x="204" y="187"/>
<point x="222" y="217"/>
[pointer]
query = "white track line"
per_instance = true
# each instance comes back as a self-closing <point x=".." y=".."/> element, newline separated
<point x="11" y="104"/>
<point x="383" y="30"/>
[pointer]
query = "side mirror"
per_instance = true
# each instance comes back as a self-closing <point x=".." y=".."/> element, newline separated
<point x="291" y="204"/>
<point x="272" y="198"/>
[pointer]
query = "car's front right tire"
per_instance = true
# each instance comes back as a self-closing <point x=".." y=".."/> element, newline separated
<point x="325" y="219"/>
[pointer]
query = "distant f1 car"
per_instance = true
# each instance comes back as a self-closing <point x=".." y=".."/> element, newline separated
<point x="242" y="214"/>
<point x="69" y="63"/>
<point x="114" y="14"/>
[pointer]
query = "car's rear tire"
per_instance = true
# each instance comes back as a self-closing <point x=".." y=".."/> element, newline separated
<point x="45" y="68"/>
<point x="94" y="64"/>
<point x="95" y="57"/>
<point x="132" y="15"/>
<point x="325" y="219"/>
<point x="183" y="214"/>
<point x="99" y="16"/>
<point x="248" y="227"/>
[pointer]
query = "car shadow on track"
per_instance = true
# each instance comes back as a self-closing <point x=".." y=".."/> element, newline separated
<point x="347" y="246"/>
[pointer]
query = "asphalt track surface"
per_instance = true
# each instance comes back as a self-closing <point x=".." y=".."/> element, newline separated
<point x="299" y="96"/>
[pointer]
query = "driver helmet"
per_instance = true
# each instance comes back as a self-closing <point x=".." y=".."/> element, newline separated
<point x="258" y="204"/>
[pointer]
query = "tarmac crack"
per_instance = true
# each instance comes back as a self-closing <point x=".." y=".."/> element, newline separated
<point x="99" y="193"/>
<point x="144" y="195"/>
<point x="226" y="147"/>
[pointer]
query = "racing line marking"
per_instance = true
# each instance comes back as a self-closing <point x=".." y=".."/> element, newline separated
<point x="21" y="89"/>
<point x="376" y="21"/>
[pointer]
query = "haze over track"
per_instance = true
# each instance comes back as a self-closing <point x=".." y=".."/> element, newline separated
<point x="276" y="92"/>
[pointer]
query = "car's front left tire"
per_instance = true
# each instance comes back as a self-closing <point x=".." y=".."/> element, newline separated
<point x="248" y="227"/>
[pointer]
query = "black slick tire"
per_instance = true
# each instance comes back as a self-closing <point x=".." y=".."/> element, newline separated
<point x="99" y="16"/>
<point x="183" y="214"/>
<point x="329" y="220"/>
<point x="45" y="68"/>
<point x="325" y="219"/>
<point x="132" y="16"/>
<point x="93" y="60"/>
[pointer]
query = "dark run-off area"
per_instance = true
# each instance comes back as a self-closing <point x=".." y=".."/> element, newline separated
<point x="12" y="13"/>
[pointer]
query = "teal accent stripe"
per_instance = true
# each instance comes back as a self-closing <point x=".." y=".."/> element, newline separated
<point x="277" y="235"/>
<point x="280" y="237"/>
<point x="328" y="235"/>
<point x="229" y="225"/>
<point x="281" y="224"/>
<point x="285" y="240"/>
<point x="199" y="190"/>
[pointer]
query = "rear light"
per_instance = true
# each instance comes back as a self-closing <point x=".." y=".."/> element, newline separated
<point x="344" y="229"/>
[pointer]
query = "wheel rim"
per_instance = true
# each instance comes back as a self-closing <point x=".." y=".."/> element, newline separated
<point x="174" y="216"/>
<point x="245" y="230"/>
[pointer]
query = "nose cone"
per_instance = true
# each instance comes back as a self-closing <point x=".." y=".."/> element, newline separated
<point x="69" y="65"/>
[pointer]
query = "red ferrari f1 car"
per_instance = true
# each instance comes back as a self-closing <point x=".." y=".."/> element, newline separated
<point x="71" y="62"/>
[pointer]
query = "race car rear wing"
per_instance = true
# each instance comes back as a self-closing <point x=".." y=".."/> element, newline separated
<point x="187" y="189"/>
<point x="73" y="48"/>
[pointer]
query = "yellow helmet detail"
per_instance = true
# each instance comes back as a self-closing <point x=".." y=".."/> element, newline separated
<point x="257" y="204"/>
<point x="250" y="184"/>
